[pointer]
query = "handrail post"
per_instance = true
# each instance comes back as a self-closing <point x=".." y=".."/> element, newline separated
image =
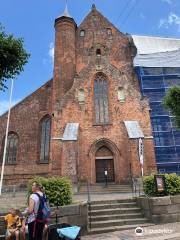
<point x="89" y="203"/>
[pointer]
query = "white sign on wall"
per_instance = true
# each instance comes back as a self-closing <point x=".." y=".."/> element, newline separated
<point x="141" y="153"/>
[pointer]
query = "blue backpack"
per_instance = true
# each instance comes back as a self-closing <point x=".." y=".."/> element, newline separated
<point x="44" y="210"/>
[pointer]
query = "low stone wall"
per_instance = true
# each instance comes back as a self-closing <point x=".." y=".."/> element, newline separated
<point x="161" y="209"/>
<point x="75" y="214"/>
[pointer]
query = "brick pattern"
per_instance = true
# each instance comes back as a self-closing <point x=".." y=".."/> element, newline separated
<point x="25" y="119"/>
<point x="75" y="67"/>
<point x="117" y="52"/>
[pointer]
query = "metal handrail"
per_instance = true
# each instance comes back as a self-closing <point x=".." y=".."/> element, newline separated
<point x="89" y="203"/>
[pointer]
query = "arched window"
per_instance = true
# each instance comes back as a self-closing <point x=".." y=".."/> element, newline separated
<point x="82" y="33"/>
<point x="109" y="31"/>
<point x="81" y="96"/>
<point x="101" y="100"/>
<point x="11" y="149"/>
<point x="121" y="95"/>
<point x="45" y="139"/>
<point x="98" y="53"/>
<point x="98" y="58"/>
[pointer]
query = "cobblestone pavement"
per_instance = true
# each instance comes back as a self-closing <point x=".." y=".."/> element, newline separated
<point x="170" y="231"/>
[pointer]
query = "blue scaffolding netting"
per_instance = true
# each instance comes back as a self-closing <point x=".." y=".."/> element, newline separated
<point x="155" y="82"/>
<point x="157" y="64"/>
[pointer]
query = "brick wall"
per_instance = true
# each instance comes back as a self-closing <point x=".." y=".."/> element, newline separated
<point x="75" y="68"/>
<point x="24" y="120"/>
<point x="117" y="53"/>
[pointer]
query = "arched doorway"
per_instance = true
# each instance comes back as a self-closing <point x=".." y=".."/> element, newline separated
<point x="104" y="161"/>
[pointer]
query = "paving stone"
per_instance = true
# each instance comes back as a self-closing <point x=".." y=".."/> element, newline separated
<point x="156" y="232"/>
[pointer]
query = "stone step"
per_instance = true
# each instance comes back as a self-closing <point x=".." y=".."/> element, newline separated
<point x="109" y="188"/>
<point x="113" y="205"/>
<point x="106" y="192"/>
<point x="106" y="188"/>
<point x="113" y="201"/>
<point x="110" y="223"/>
<point x="114" y="217"/>
<point x="117" y="228"/>
<point x="114" y="211"/>
<point x="105" y="216"/>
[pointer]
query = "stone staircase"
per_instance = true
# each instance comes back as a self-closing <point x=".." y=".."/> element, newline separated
<point x="110" y="188"/>
<point x="114" y="215"/>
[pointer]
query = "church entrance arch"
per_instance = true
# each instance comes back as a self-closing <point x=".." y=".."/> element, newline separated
<point x="104" y="161"/>
<point x="104" y="155"/>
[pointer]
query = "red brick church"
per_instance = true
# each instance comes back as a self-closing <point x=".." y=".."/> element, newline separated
<point x="89" y="117"/>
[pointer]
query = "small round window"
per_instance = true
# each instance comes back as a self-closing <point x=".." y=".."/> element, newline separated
<point x="109" y="31"/>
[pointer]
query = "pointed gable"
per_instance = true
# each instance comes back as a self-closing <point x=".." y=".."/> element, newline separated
<point x="95" y="20"/>
<point x="96" y="34"/>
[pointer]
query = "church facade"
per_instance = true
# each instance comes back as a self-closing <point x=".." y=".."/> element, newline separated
<point x="79" y="124"/>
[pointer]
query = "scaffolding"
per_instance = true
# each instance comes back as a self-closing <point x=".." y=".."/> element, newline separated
<point x="154" y="83"/>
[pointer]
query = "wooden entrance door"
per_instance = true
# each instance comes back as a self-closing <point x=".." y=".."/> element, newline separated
<point x="104" y="165"/>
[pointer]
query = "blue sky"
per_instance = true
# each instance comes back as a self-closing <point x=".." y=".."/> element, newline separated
<point x="33" y="20"/>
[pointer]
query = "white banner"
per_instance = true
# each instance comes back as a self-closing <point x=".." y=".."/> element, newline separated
<point x="141" y="154"/>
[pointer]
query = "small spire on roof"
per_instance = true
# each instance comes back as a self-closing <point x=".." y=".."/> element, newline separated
<point x="66" y="13"/>
<point x="93" y="6"/>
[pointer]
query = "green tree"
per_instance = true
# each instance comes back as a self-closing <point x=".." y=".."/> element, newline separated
<point x="172" y="103"/>
<point x="13" y="57"/>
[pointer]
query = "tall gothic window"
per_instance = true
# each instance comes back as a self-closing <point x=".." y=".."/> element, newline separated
<point x="11" y="149"/>
<point x="45" y="139"/>
<point x="101" y="100"/>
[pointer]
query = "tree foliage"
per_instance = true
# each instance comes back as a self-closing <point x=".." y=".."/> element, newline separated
<point x="172" y="103"/>
<point x="13" y="57"/>
<point x="58" y="190"/>
<point x="172" y="181"/>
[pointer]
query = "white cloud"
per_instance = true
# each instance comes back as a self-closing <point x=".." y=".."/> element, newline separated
<point x="51" y="51"/>
<point x="163" y="23"/>
<point x="168" y="1"/>
<point x="172" y="20"/>
<point x="4" y="105"/>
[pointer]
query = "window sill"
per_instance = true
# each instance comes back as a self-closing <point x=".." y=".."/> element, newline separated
<point x="42" y="162"/>
<point x="10" y="164"/>
<point x="102" y="124"/>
